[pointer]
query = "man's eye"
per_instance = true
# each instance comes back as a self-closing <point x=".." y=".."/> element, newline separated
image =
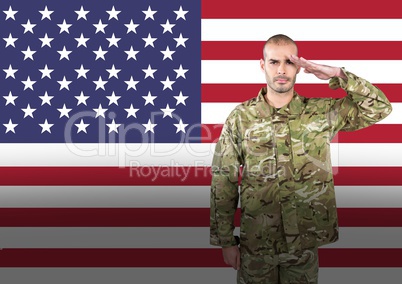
<point x="289" y="62"/>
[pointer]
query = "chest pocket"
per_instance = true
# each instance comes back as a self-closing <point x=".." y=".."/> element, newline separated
<point x="311" y="142"/>
<point x="259" y="148"/>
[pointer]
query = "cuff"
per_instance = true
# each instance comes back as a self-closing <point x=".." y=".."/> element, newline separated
<point x="224" y="242"/>
<point x="338" y="82"/>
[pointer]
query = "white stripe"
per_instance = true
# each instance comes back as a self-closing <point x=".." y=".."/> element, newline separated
<point x="168" y="196"/>
<point x="249" y="71"/>
<point x="105" y="196"/>
<point x="156" y="158"/>
<point x="181" y="275"/>
<point x="301" y="29"/>
<point x="368" y="196"/>
<point x="167" y="237"/>
<point x="217" y="113"/>
<point x="90" y="154"/>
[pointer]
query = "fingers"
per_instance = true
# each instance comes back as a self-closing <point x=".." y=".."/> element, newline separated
<point x="231" y="256"/>
<point x="296" y="60"/>
<point x="233" y="262"/>
<point x="238" y="261"/>
<point x="300" y="61"/>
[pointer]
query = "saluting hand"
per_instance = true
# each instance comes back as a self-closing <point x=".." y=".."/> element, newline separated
<point x="321" y="71"/>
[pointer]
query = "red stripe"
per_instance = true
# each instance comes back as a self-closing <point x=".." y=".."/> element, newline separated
<point x="43" y="176"/>
<point x="241" y="92"/>
<point x="315" y="9"/>
<point x="378" y="133"/>
<point x="312" y="50"/>
<point x="167" y="217"/>
<point x="105" y="175"/>
<point x="176" y="257"/>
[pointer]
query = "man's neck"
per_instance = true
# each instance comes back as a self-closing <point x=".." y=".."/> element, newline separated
<point x="278" y="100"/>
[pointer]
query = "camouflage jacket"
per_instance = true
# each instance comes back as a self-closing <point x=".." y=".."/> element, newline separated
<point x="287" y="195"/>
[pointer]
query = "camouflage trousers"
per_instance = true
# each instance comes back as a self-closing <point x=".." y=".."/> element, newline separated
<point x="279" y="269"/>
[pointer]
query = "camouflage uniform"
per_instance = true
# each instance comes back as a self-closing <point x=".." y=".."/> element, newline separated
<point x="287" y="191"/>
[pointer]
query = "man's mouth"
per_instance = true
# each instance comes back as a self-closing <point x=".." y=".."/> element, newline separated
<point x="281" y="80"/>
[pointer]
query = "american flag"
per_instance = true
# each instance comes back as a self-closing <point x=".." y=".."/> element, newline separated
<point x="109" y="116"/>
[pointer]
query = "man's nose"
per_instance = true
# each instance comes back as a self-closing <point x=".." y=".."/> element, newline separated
<point x="281" y="69"/>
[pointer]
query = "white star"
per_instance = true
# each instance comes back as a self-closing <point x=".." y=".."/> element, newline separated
<point x="181" y="14"/>
<point x="100" y="83"/>
<point x="46" y="126"/>
<point x="113" y="13"/>
<point x="64" y="111"/>
<point x="113" y="40"/>
<point x="131" y="111"/>
<point x="131" y="27"/>
<point x="181" y="126"/>
<point x="82" y="99"/>
<point x="10" y="13"/>
<point x="81" y="72"/>
<point x="113" y="72"/>
<point x="64" y="84"/>
<point x="131" y="53"/>
<point x="113" y="126"/>
<point x="180" y="40"/>
<point x="131" y="84"/>
<point x="64" y="27"/>
<point x="149" y="99"/>
<point x="81" y="40"/>
<point x="167" y="111"/>
<point x="10" y="71"/>
<point x="180" y="99"/>
<point x="113" y="99"/>
<point x="100" y="111"/>
<point x="46" y="40"/>
<point x="167" y="27"/>
<point x="28" y="111"/>
<point x="149" y="126"/>
<point x="149" y="72"/>
<point x="46" y="99"/>
<point x="149" y="14"/>
<point x="100" y="27"/>
<point x="28" y="53"/>
<point x="46" y="72"/>
<point x="100" y="53"/>
<point x="28" y="27"/>
<point x="46" y="13"/>
<point x="149" y="40"/>
<point x="10" y="98"/>
<point x="81" y="126"/>
<point x="167" y="83"/>
<point x="167" y="53"/>
<point x="82" y="14"/>
<point x="180" y="72"/>
<point x="10" y="40"/>
<point x="28" y="83"/>
<point x="64" y="53"/>
<point x="10" y="126"/>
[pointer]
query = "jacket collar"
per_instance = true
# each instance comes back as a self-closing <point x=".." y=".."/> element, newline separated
<point x="294" y="107"/>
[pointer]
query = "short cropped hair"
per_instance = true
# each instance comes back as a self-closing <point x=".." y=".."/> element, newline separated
<point x="279" y="39"/>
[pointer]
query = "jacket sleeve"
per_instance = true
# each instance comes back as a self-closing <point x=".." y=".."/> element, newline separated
<point x="224" y="188"/>
<point x="363" y="105"/>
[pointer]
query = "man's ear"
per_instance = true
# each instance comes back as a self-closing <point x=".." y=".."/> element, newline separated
<point x="298" y="70"/>
<point x="262" y="64"/>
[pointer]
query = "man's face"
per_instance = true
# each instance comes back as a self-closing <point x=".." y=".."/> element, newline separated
<point x="280" y="72"/>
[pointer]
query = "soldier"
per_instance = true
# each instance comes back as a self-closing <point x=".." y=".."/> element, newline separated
<point x="282" y="142"/>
